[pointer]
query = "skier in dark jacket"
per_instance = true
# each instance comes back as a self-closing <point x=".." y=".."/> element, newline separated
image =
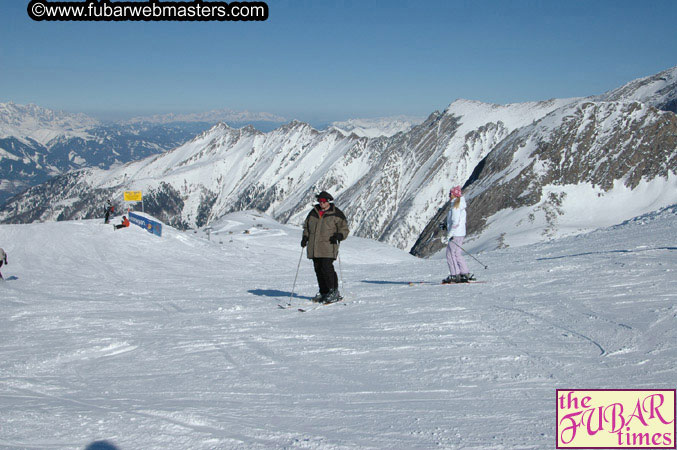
<point x="110" y="210"/>
<point x="324" y="228"/>
<point x="3" y="260"/>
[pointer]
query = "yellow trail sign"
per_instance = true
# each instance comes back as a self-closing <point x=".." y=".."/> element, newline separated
<point x="133" y="196"/>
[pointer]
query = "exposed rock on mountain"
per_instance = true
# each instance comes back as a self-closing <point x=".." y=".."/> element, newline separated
<point x="586" y="165"/>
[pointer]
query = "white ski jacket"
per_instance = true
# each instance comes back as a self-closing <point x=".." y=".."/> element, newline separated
<point x="456" y="220"/>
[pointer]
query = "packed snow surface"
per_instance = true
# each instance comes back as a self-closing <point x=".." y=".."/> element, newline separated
<point x="178" y="341"/>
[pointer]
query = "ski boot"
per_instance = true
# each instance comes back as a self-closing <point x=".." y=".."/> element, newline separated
<point x="450" y="279"/>
<point x="332" y="296"/>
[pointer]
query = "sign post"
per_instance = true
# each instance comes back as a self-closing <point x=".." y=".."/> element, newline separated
<point x="135" y="196"/>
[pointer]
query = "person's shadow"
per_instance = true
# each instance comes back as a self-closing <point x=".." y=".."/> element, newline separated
<point x="101" y="445"/>
<point x="275" y="293"/>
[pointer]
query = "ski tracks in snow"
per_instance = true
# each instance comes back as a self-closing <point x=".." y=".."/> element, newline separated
<point x="190" y="351"/>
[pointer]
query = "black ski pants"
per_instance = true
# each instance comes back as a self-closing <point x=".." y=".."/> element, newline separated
<point x="326" y="275"/>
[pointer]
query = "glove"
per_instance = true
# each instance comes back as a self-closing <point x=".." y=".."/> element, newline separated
<point x="443" y="226"/>
<point x="444" y="240"/>
<point x="336" y="238"/>
<point x="304" y="241"/>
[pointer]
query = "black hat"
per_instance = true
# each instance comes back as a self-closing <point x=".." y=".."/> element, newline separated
<point x="324" y="194"/>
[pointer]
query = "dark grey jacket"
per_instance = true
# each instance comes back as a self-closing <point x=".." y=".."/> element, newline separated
<point x="318" y="230"/>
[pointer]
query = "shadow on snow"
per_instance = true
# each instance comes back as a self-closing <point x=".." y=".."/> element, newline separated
<point x="608" y="251"/>
<point x="402" y="283"/>
<point x="275" y="293"/>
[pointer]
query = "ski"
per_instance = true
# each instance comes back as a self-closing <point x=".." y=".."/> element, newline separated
<point x="315" y="305"/>
<point x="320" y="305"/>
<point x="439" y="283"/>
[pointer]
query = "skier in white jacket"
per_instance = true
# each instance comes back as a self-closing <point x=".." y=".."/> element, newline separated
<point x="458" y="269"/>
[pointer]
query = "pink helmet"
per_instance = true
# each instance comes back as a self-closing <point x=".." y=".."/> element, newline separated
<point x="455" y="191"/>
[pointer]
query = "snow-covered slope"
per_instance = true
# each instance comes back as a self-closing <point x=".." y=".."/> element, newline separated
<point x="177" y="342"/>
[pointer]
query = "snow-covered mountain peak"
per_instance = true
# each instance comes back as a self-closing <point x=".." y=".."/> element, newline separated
<point x="513" y="115"/>
<point x="15" y="114"/>
<point x="659" y="90"/>
<point x="461" y="103"/>
<point x="296" y="125"/>
<point x="378" y="126"/>
<point x="41" y="124"/>
<point x="222" y="129"/>
<point x="250" y="129"/>
<point x="474" y="115"/>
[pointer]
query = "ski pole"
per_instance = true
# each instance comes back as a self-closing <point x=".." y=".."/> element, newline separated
<point x="295" y="277"/>
<point x="469" y="254"/>
<point x="343" y="283"/>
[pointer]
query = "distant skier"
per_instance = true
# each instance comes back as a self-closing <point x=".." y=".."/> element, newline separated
<point x="110" y="210"/>
<point x="323" y="229"/>
<point x="3" y="260"/>
<point x="455" y="226"/>
<point x="124" y="224"/>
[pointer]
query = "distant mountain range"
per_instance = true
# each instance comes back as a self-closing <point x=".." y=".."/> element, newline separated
<point x="235" y="118"/>
<point x="531" y="171"/>
<point x="37" y="143"/>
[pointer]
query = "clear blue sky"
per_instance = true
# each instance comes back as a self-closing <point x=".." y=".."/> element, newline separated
<point x="318" y="60"/>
